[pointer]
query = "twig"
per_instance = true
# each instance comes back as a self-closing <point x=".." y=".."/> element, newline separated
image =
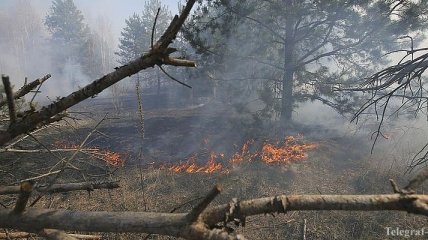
<point x="304" y="229"/>
<point x="171" y="77"/>
<point x="64" y="165"/>
<point x="154" y="27"/>
<point x="40" y="176"/>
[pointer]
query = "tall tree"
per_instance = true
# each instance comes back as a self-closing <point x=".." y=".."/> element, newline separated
<point x="131" y="42"/>
<point x="300" y="50"/>
<point x="137" y="34"/>
<point x="69" y="33"/>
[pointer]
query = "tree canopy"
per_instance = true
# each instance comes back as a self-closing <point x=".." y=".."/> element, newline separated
<point x="295" y="51"/>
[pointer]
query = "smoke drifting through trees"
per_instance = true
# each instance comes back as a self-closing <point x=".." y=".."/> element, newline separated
<point x="240" y="46"/>
<point x="59" y="42"/>
<point x="295" y="51"/>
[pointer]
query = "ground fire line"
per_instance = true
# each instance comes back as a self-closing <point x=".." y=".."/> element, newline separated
<point x="284" y="152"/>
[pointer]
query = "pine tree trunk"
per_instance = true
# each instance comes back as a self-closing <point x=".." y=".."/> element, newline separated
<point x="288" y="77"/>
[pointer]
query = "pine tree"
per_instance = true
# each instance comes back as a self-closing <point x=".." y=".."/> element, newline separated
<point x="65" y="22"/>
<point x="132" y="39"/>
<point x="136" y="36"/>
<point x="70" y="34"/>
<point x="295" y="51"/>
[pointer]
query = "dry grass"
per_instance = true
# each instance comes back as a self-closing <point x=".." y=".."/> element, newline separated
<point x="336" y="167"/>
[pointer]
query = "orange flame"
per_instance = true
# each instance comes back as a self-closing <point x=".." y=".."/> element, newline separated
<point x="192" y="167"/>
<point x="284" y="152"/>
<point x="110" y="157"/>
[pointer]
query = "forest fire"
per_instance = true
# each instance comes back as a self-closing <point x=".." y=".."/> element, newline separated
<point x="286" y="151"/>
<point x="283" y="152"/>
<point x="191" y="166"/>
<point x="110" y="157"/>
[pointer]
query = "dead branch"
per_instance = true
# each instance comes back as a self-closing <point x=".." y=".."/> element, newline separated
<point x="178" y="224"/>
<point x="284" y="203"/>
<point x="14" y="235"/>
<point x="156" y="56"/>
<point x="13" y="150"/>
<point x="9" y="98"/>
<point x="63" y="187"/>
<point x="198" y="209"/>
<point x="24" y="194"/>
<point x="27" y="88"/>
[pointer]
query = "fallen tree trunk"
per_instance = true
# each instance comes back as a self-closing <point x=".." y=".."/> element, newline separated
<point x="187" y="226"/>
<point x="13" y="235"/>
<point x="158" y="55"/>
<point x="63" y="187"/>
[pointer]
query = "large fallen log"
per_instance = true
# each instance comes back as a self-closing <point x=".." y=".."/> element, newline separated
<point x="158" y="55"/>
<point x="13" y="235"/>
<point x="62" y="187"/>
<point x="197" y="225"/>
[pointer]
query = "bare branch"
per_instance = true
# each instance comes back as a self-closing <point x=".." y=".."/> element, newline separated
<point x="14" y="235"/>
<point x="197" y="210"/>
<point x="173" y="78"/>
<point x="27" y="88"/>
<point x="63" y="187"/>
<point x="155" y="56"/>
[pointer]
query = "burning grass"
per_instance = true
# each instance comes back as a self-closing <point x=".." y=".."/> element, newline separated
<point x="110" y="157"/>
<point x="283" y="152"/>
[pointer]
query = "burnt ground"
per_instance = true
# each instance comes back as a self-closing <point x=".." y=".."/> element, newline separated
<point x="340" y="165"/>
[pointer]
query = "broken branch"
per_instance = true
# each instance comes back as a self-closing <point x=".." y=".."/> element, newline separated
<point x="9" y="98"/>
<point x="27" y="88"/>
<point x="155" y="56"/>
<point x="63" y="187"/>
<point x="25" y="192"/>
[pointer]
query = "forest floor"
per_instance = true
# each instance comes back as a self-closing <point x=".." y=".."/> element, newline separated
<point x="340" y="164"/>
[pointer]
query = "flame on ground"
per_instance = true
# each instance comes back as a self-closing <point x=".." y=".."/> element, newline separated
<point x="289" y="150"/>
<point x="286" y="151"/>
<point x="110" y="157"/>
<point x="191" y="166"/>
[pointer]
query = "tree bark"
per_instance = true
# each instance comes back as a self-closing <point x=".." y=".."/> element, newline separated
<point x="62" y="187"/>
<point x="181" y="225"/>
<point x="287" y="100"/>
